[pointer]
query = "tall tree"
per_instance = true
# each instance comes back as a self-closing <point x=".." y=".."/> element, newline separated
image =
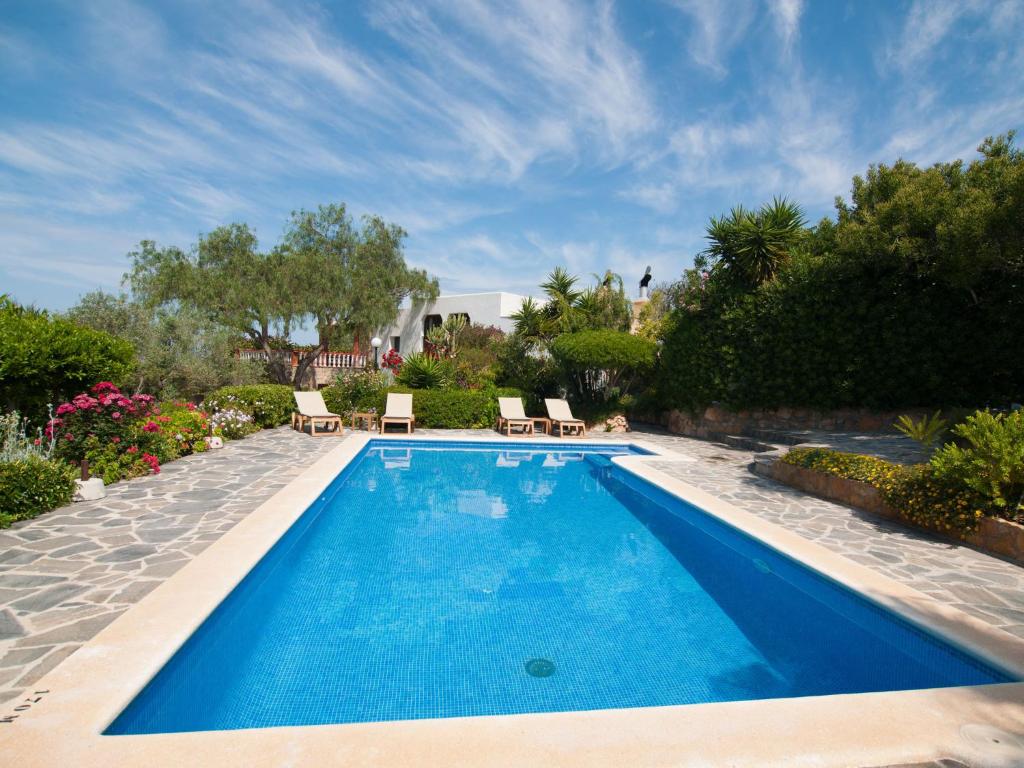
<point x="344" y="280"/>
<point x="179" y="352"/>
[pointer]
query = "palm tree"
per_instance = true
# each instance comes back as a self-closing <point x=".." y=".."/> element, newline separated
<point x="752" y="246"/>
<point x="529" y="319"/>
<point x="561" y="314"/>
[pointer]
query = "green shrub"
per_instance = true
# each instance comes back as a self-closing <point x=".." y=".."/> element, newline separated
<point x="356" y="392"/>
<point x="992" y="463"/>
<point x="122" y="461"/>
<point x="33" y="485"/>
<point x="421" y="371"/>
<point x="601" y="365"/>
<point x="46" y="360"/>
<point x="270" y="405"/>
<point x="453" y="408"/>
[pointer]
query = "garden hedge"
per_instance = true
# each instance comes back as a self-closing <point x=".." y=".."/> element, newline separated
<point x="453" y="408"/>
<point x="835" y="334"/>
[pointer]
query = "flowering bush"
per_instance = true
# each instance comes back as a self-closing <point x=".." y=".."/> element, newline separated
<point x="233" y="424"/>
<point x="392" y="361"/>
<point x="104" y="413"/>
<point x="270" y="405"/>
<point x="125" y="436"/>
<point x="185" y="424"/>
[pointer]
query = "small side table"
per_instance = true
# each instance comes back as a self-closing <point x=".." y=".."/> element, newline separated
<point x="365" y="417"/>
<point x="543" y="422"/>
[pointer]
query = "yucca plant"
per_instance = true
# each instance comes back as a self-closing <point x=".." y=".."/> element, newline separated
<point x="421" y="371"/>
<point x="926" y="431"/>
<point x="751" y="246"/>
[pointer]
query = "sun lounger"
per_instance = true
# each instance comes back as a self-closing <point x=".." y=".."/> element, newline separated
<point x="312" y="410"/>
<point x="512" y="416"/>
<point x="563" y="420"/>
<point x="398" y="411"/>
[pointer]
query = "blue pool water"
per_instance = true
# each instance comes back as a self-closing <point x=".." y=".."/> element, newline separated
<point x="434" y="581"/>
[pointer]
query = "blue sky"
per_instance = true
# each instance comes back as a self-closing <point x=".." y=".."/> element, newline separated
<point x="506" y="137"/>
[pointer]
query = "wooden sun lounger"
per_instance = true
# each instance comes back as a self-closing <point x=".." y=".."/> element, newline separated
<point x="563" y="420"/>
<point x="513" y="416"/>
<point x="313" y="410"/>
<point x="398" y="411"/>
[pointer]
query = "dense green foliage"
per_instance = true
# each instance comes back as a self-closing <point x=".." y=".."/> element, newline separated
<point x="45" y="359"/>
<point x="32" y="485"/>
<point x="991" y="463"/>
<point x="600" y="365"/>
<point x="179" y="353"/>
<point x="346" y="281"/>
<point x="453" y="408"/>
<point x="569" y="309"/>
<point x="270" y="405"/>
<point x="526" y="359"/>
<point x="914" y="296"/>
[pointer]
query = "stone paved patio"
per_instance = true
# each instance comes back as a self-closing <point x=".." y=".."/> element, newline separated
<point x="66" y="575"/>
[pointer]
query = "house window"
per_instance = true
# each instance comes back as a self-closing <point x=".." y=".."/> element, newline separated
<point x="396" y="343"/>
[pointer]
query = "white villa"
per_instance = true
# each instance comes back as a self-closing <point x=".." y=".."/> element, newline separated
<point x="406" y="335"/>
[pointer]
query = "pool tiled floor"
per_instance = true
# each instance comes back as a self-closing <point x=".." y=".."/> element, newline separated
<point x="67" y="574"/>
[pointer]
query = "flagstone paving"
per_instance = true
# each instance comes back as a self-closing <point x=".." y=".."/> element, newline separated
<point x="67" y="574"/>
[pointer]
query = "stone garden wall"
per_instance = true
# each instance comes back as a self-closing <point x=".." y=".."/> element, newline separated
<point x="716" y="421"/>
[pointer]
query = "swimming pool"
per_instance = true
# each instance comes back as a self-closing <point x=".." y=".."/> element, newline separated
<point x="442" y="580"/>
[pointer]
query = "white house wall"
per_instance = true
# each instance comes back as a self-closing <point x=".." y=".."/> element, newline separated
<point x="483" y="309"/>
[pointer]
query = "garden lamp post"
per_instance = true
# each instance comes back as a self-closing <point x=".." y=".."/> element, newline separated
<point x="375" y="342"/>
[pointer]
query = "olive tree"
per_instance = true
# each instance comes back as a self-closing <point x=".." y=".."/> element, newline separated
<point x="343" y="279"/>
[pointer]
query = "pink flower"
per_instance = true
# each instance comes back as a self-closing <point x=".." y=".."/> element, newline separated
<point x="69" y="436"/>
<point x="133" y="449"/>
<point x="115" y="415"/>
<point x="115" y="440"/>
<point x="105" y="386"/>
<point x="84" y="402"/>
<point x="151" y="426"/>
<point x="123" y="402"/>
<point x="37" y="441"/>
<point x="65" y="408"/>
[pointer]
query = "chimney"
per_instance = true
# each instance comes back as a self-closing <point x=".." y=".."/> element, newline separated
<point x="644" y="282"/>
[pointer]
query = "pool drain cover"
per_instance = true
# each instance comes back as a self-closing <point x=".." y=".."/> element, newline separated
<point x="540" y="668"/>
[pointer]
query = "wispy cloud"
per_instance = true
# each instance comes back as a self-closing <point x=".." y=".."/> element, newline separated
<point x="786" y="17"/>
<point x="717" y="27"/>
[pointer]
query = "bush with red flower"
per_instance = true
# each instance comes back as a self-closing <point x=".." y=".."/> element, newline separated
<point x="392" y="361"/>
<point x="125" y="436"/>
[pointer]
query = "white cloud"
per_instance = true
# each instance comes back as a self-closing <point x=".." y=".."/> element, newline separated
<point x="786" y="17"/>
<point x="717" y="27"/>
